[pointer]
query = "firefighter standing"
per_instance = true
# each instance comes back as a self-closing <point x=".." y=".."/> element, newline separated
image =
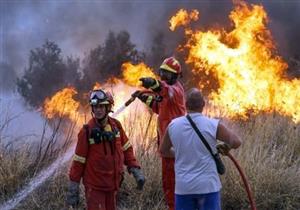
<point x="102" y="150"/>
<point x="198" y="183"/>
<point x="172" y="106"/>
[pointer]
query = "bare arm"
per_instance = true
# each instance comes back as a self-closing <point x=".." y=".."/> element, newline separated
<point x="227" y="136"/>
<point x="165" y="148"/>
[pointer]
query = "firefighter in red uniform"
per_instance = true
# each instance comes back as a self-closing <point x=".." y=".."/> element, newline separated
<point x="171" y="106"/>
<point x="102" y="150"/>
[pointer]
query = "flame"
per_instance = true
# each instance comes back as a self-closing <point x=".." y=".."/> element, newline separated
<point x="136" y="118"/>
<point x="249" y="73"/>
<point x="132" y="73"/>
<point x="182" y="18"/>
<point x="121" y="93"/>
<point x="97" y="86"/>
<point x="62" y="104"/>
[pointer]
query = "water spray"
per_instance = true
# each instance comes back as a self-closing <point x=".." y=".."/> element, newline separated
<point x="121" y="109"/>
<point x="37" y="181"/>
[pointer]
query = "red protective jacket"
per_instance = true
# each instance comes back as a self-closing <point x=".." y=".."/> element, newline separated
<point x="172" y="105"/>
<point x="101" y="165"/>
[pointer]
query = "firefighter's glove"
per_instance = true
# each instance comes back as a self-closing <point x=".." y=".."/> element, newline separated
<point x="149" y="82"/>
<point x="144" y="97"/>
<point x="136" y="94"/>
<point x="223" y="148"/>
<point x="139" y="177"/>
<point x="73" y="194"/>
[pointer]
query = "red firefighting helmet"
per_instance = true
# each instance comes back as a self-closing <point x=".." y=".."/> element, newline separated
<point x="172" y="65"/>
<point x="100" y="97"/>
<point x="110" y="98"/>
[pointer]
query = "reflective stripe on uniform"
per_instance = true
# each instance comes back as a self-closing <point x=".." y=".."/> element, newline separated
<point x="79" y="158"/>
<point x="118" y="134"/>
<point x="156" y="85"/>
<point x="149" y="100"/>
<point x="91" y="141"/>
<point x="126" y="146"/>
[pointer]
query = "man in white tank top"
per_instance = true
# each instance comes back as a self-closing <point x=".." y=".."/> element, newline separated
<point x="197" y="183"/>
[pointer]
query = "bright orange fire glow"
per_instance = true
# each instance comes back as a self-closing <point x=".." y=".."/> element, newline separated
<point x="62" y="104"/>
<point x="183" y="18"/>
<point x="249" y="72"/>
<point x="132" y="73"/>
<point x="97" y="86"/>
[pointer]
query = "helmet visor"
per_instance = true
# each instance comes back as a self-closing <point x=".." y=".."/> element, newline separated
<point x="98" y="97"/>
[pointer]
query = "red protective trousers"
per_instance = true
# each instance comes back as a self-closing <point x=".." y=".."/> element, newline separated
<point x="100" y="165"/>
<point x="172" y="106"/>
<point x="100" y="200"/>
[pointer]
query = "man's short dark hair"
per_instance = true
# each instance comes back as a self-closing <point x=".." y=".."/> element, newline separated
<point x="194" y="99"/>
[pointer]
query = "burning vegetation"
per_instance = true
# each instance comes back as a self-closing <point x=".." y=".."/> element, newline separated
<point x="62" y="104"/>
<point x="132" y="73"/>
<point x="251" y="78"/>
<point x="183" y="18"/>
<point x="249" y="72"/>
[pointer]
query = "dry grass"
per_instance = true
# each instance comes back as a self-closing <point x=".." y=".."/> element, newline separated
<point x="15" y="169"/>
<point x="269" y="156"/>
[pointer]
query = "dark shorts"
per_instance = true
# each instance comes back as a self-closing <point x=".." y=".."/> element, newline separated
<point x="209" y="201"/>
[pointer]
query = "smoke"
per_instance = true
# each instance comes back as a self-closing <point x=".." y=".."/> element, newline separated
<point x="284" y="21"/>
<point x="78" y="26"/>
<point x="7" y="78"/>
<point x="18" y="123"/>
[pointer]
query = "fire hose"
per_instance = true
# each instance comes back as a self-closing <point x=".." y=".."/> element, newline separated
<point x="133" y="97"/>
<point x="242" y="174"/>
<point x="135" y="94"/>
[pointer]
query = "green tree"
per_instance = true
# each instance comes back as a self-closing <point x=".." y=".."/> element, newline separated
<point x="105" y="60"/>
<point x="71" y="73"/>
<point x="46" y="73"/>
<point x="157" y="51"/>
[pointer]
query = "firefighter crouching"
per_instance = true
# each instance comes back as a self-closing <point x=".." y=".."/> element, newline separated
<point x="102" y="150"/>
